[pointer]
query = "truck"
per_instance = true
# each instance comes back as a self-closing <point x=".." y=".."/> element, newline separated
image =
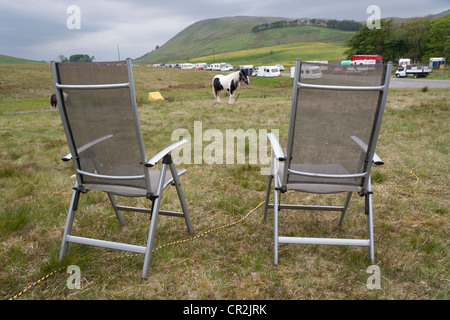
<point x="362" y="62"/>
<point x="415" y="71"/>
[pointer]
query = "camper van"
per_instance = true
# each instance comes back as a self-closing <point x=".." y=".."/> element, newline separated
<point x="267" y="71"/>
<point x="311" y="72"/>
<point x="224" y="67"/>
<point x="215" y="66"/>
<point x="404" y="62"/>
<point x="187" y="66"/>
<point x="308" y="72"/>
<point x="200" y="66"/>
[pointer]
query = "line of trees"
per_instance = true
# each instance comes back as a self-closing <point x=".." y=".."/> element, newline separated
<point x="344" y="25"/>
<point x="419" y="40"/>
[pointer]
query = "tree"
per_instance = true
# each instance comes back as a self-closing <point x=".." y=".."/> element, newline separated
<point x="63" y="58"/>
<point x="395" y="48"/>
<point x="81" y="58"/>
<point x="415" y="34"/>
<point x="371" y="41"/>
<point x="438" y="40"/>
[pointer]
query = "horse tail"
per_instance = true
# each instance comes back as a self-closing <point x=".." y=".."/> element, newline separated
<point x="52" y="101"/>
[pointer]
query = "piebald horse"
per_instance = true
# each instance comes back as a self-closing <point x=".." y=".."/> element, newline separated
<point x="230" y="83"/>
<point x="53" y="101"/>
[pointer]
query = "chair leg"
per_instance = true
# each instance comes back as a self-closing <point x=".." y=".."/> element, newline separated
<point x="346" y="202"/>
<point x="119" y="215"/>
<point x="181" y="197"/>
<point x="69" y="221"/>
<point x="266" y="205"/>
<point x="275" y="221"/>
<point x="370" y="224"/>
<point x="155" y="211"/>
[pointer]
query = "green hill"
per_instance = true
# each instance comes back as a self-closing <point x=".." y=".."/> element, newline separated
<point x="8" y="59"/>
<point x="215" y="36"/>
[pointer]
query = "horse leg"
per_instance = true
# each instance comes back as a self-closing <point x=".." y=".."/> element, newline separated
<point x="233" y="87"/>
<point x="232" y="100"/>
<point x="216" y="89"/>
<point x="216" y="95"/>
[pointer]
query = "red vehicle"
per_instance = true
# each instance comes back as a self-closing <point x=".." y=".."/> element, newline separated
<point x="377" y="58"/>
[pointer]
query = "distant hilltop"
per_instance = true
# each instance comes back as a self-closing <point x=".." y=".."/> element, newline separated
<point x="231" y="34"/>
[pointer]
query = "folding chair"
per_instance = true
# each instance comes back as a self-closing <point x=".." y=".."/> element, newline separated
<point x="335" y="120"/>
<point x="97" y="104"/>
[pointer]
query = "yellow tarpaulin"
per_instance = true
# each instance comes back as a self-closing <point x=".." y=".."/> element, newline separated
<point x="155" y="96"/>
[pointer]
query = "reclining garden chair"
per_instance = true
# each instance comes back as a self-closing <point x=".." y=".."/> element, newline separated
<point x="334" y="124"/>
<point x="97" y="104"/>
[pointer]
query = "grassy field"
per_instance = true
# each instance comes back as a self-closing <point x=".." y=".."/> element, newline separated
<point x="440" y="74"/>
<point x="411" y="203"/>
<point x="282" y="54"/>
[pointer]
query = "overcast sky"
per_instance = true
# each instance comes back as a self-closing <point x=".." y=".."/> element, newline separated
<point x="45" y="29"/>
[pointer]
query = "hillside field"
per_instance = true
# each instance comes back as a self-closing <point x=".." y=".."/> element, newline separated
<point x="226" y="35"/>
<point x="7" y="59"/>
<point x="281" y="54"/>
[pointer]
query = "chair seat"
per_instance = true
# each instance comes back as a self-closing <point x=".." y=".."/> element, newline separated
<point x="132" y="191"/>
<point x="319" y="185"/>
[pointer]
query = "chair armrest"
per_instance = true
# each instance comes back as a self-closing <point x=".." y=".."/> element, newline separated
<point x="276" y="148"/>
<point x="376" y="159"/>
<point x="67" y="157"/>
<point x="87" y="146"/>
<point x="161" y="154"/>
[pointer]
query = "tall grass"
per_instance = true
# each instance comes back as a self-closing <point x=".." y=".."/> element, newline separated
<point x="410" y="204"/>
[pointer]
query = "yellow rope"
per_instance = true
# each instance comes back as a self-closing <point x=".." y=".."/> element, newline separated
<point x="137" y="254"/>
<point x="173" y="243"/>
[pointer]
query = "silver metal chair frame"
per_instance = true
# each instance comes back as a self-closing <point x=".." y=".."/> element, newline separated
<point x="280" y="182"/>
<point x="155" y="197"/>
